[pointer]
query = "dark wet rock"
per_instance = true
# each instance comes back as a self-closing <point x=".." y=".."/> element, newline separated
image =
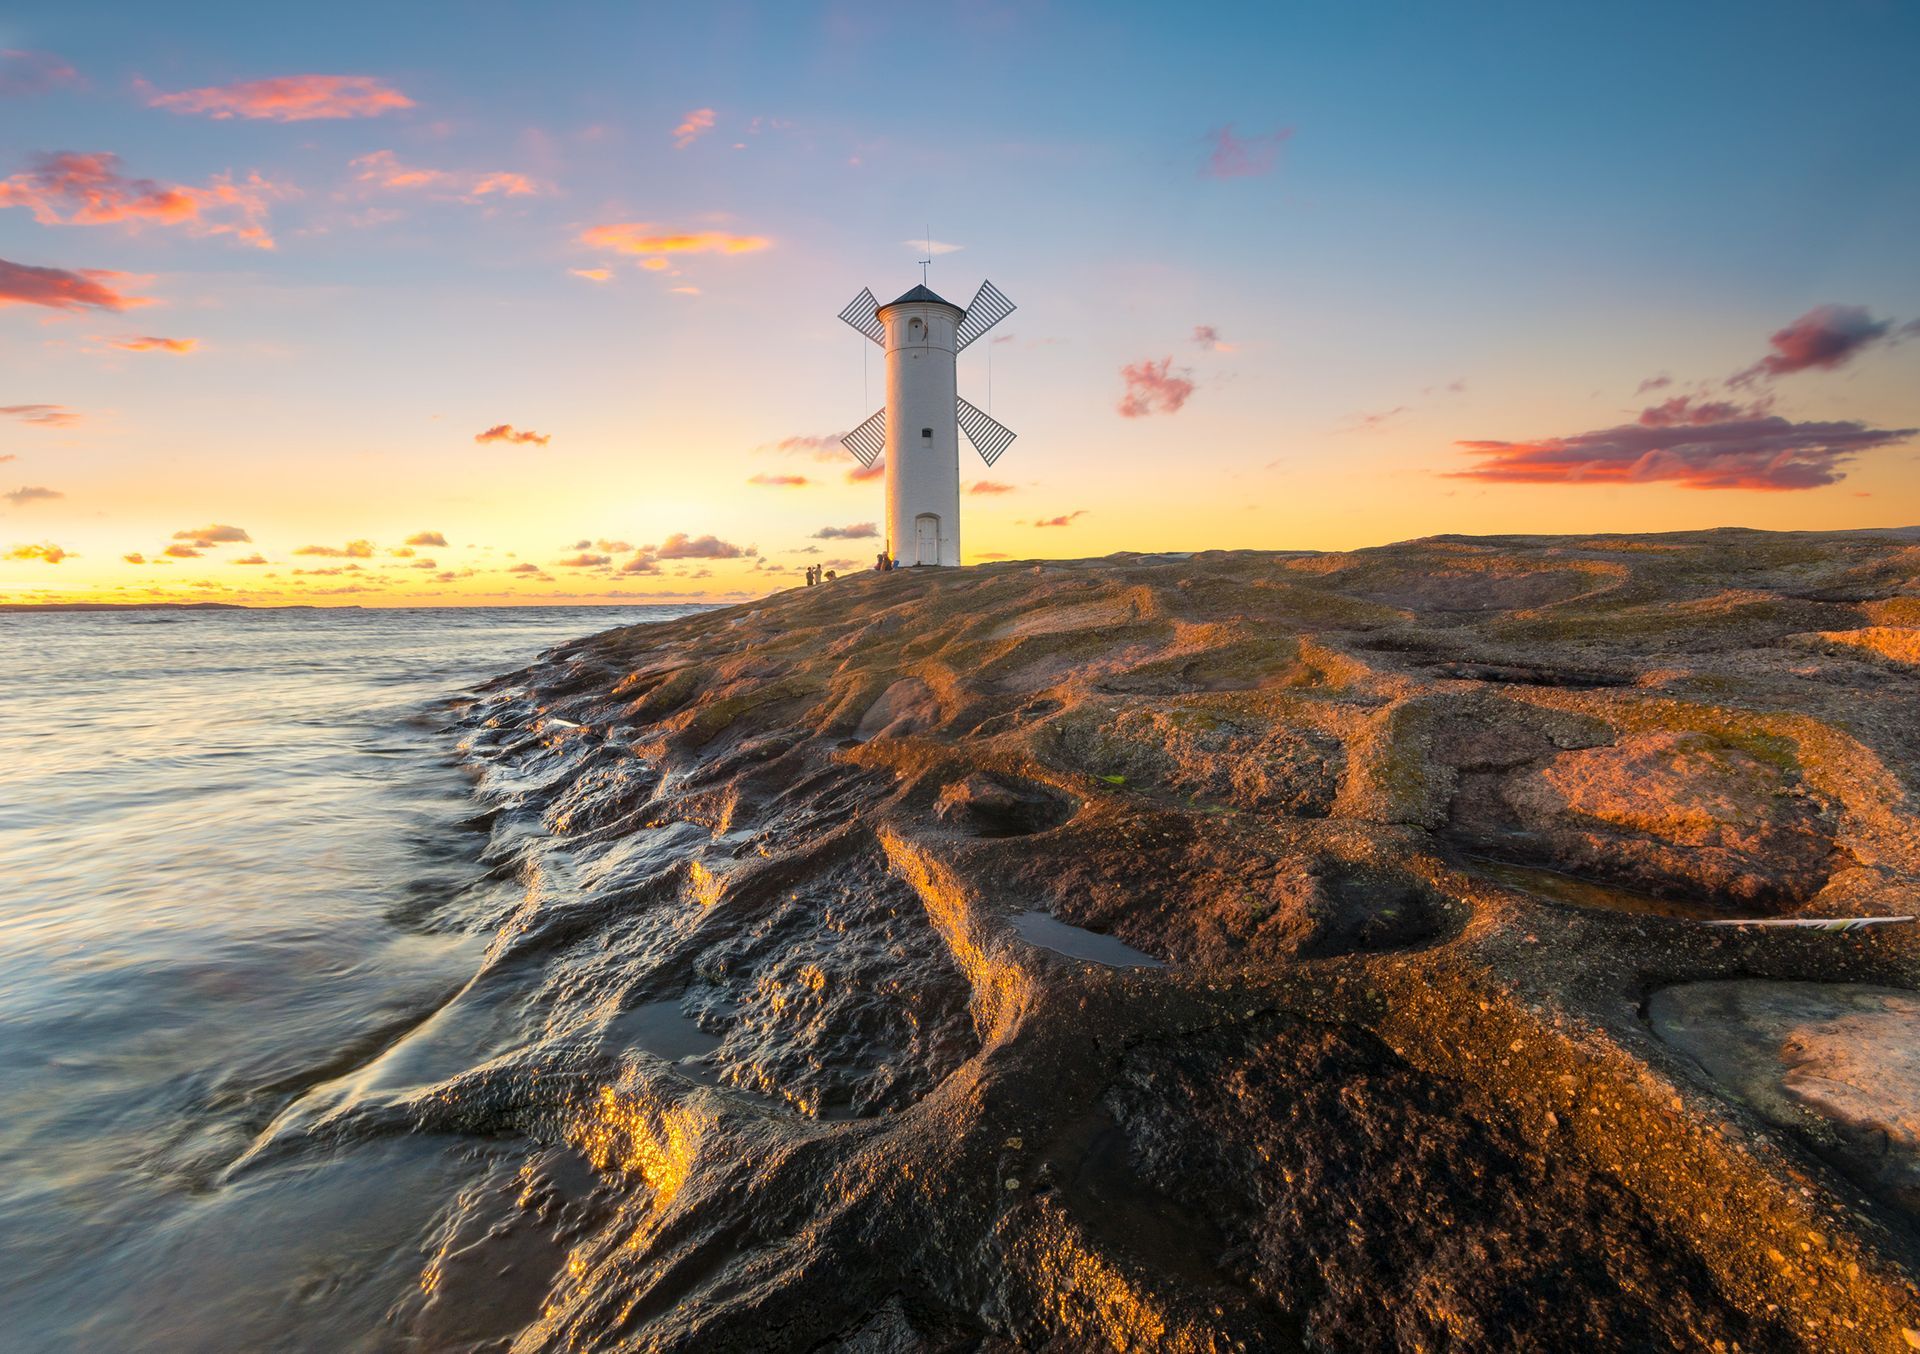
<point x="996" y="806"/>
<point x="1836" y="1063"/>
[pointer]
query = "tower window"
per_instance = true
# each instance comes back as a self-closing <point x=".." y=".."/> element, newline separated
<point x="926" y="432"/>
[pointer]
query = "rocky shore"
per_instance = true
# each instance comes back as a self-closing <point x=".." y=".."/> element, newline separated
<point x="1425" y="1028"/>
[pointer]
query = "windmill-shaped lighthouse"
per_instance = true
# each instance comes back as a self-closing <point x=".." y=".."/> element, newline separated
<point x="919" y="427"/>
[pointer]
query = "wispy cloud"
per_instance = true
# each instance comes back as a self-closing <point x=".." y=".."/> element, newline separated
<point x="31" y="493"/>
<point x="820" y="446"/>
<point x="593" y="274"/>
<point x="989" y="487"/>
<point x="693" y="126"/>
<point x="290" y="98"/>
<point x="42" y="415"/>
<point x="1064" y="520"/>
<point x="1153" y="387"/>
<point x="585" y="560"/>
<point x="1660" y="382"/>
<point x="1239" y="157"/>
<point x="351" y="550"/>
<point x="780" y="481"/>
<point x="1749" y="451"/>
<point x="860" y="474"/>
<point x="642" y="237"/>
<point x="506" y="432"/>
<point x="74" y="188"/>
<point x="26" y="73"/>
<point x="45" y="551"/>
<point x="1207" y="338"/>
<point x="859" y="531"/>
<point x="255" y="558"/>
<point x="23" y="284"/>
<point x="934" y="248"/>
<point x="382" y="169"/>
<point x="150" y="343"/>
<point x="1823" y="339"/>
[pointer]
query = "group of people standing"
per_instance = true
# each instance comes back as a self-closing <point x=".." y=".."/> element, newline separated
<point x="819" y="573"/>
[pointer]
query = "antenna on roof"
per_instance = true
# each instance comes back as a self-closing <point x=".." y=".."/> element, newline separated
<point x="929" y="258"/>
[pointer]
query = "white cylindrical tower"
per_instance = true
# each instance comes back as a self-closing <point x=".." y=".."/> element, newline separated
<point x="923" y="433"/>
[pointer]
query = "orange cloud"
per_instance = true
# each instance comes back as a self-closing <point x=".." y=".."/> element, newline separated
<point x="680" y="546"/>
<point x="72" y="188"/>
<point x="178" y="551"/>
<point x="384" y="170"/>
<point x="692" y="127"/>
<point x="780" y="481"/>
<point x="506" y="432"/>
<point x="862" y="473"/>
<point x="46" y="550"/>
<point x="989" y="487"/>
<point x="641" y="237"/>
<point x="351" y="550"/>
<point x="23" y="284"/>
<point x="584" y="561"/>
<point x="31" y="493"/>
<point x="290" y="98"/>
<point x="135" y="557"/>
<point x="45" y="415"/>
<point x="255" y="558"/>
<point x="148" y="343"/>
<point x="1065" y="520"/>
<point x="593" y="274"/>
<point x="427" y="538"/>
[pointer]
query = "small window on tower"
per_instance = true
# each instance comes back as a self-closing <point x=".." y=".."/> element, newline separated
<point x="926" y="432"/>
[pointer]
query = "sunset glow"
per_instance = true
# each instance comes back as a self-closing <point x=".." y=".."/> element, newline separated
<point x="560" y="296"/>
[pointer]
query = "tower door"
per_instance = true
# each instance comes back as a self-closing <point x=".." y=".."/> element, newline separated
<point x="926" y="539"/>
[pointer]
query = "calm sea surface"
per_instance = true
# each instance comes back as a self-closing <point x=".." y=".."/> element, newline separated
<point x="233" y="849"/>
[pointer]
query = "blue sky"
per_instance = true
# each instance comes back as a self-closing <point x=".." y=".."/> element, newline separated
<point x="1543" y="206"/>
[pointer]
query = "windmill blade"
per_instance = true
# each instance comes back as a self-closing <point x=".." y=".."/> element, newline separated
<point x="988" y="438"/>
<point x="989" y="307"/>
<point x="862" y="314"/>
<point x="868" y="440"/>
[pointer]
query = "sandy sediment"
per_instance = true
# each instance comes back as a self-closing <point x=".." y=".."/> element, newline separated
<point x="1447" y="1051"/>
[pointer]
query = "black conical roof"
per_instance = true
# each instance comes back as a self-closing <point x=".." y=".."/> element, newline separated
<point x="921" y="293"/>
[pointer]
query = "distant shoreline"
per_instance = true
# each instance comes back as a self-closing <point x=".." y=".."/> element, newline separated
<point x="18" y="607"/>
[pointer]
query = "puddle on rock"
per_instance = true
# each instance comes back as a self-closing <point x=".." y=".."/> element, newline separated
<point x="661" y="1028"/>
<point x="1586" y="895"/>
<point x="1076" y="942"/>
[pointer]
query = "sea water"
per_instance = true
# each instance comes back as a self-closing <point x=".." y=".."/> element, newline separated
<point x="235" y="847"/>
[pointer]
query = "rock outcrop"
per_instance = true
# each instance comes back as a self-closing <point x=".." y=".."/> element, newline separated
<point x="1450" y="1049"/>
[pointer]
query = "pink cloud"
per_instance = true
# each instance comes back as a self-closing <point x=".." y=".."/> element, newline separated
<point x="680" y="546"/>
<point x="290" y="98"/>
<point x="1208" y="338"/>
<point x="43" y="415"/>
<point x="692" y="127"/>
<point x="1765" y="453"/>
<point x="859" y="531"/>
<point x="23" y="284"/>
<point x="1237" y="157"/>
<point x="989" y="487"/>
<point x="25" y="73"/>
<point x="383" y="169"/>
<point x="1823" y="339"/>
<point x="1153" y="388"/>
<point x="74" y="188"/>
<point x="1064" y="520"/>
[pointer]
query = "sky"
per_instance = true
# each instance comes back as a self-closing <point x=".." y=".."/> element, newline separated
<point x="480" y="303"/>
